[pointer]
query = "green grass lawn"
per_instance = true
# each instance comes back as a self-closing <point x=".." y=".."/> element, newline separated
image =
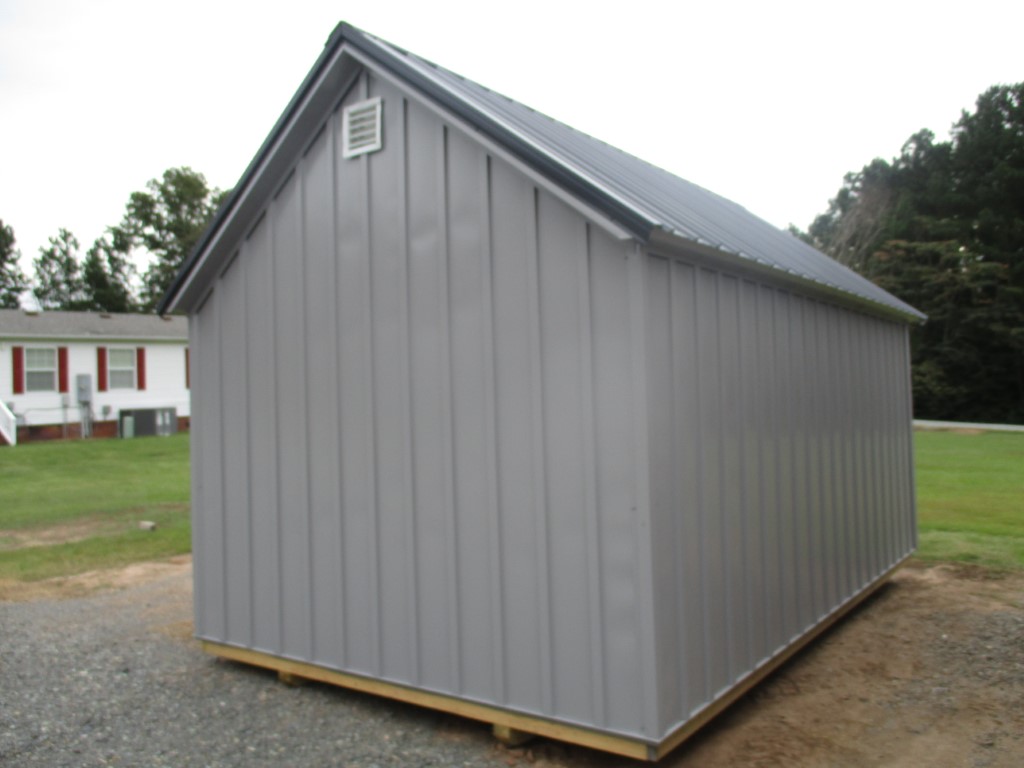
<point x="78" y="504"/>
<point x="970" y="497"/>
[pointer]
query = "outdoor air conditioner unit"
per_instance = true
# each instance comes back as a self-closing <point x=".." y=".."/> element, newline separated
<point x="142" y="422"/>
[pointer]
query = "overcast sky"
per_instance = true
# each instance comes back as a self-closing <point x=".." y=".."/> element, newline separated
<point x="766" y="103"/>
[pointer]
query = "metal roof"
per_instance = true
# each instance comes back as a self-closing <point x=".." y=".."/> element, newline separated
<point x="22" y="324"/>
<point x="645" y="200"/>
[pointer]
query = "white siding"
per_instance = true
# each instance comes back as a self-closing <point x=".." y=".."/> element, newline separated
<point x="165" y="382"/>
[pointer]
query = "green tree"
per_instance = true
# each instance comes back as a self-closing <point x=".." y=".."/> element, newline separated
<point x="942" y="227"/>
<point x="58" y="274"/>
<point x="12" y="279"/>
<point x="166" y="220"/>
<point x="106" y="274"/>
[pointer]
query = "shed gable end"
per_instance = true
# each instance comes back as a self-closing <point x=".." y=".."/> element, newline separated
<point x="389" y="317"/>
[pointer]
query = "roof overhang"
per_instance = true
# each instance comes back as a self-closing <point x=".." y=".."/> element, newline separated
<point x="670" y="244"/>
<point x="346" y="53"/>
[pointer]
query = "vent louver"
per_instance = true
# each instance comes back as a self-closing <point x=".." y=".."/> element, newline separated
<point x="361" y="127"/>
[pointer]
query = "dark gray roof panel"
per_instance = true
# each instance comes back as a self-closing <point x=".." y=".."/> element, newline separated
<point x="640" y="197"/>
<point x="20" y="324"/>
<point x="669" y="202"/>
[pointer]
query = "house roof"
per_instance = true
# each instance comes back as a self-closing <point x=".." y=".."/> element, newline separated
<point x="22" y="324"/>
<point x="654" y="206"/>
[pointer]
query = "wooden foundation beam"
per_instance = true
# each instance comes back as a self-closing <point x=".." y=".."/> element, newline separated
<point x="511" y="737"/>
<point x="513" y="728"/>
<point x="502" y="721"/>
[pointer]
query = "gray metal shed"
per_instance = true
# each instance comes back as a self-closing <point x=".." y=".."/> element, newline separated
<point x="493" y="417"/>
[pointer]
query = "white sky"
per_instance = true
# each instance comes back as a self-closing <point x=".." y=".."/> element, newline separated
<point x="766" y="103"/>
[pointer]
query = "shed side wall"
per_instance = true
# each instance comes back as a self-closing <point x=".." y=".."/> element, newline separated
<point x="415" y="434"/>
<point x="780" y="473"/>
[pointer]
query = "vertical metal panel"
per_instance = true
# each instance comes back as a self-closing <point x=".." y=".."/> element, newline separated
<point x="817" y="447"/>
<point x="207" y="490"/>
<point x="713" y="478"/>
<point x="662" y="463"/>
<point x="830" y="551"/>
<point x="799" y="426"/>
<point x="257" y="261"/>
<point x="910" y="490"/>
<point x="493" y="544"/>
<point x="734" y="556"/>
<point x="620" y="586"/>
<point x="787" y="470"/>
<point x="322" y="412"/>
<point x="768" y="414"/>
<point x="751" y="387"/>
<point x="355" y="401"/>
<point x="516" y="359"/>
<point x="561" y="238"/>
<point x="235" y="454"/>
<point x="471" y="495"/>
<point x="691" y="603"/>
<point x="650" y="717"/>
<point x="389" y="339"/>
<point x="588" y="449"/>
<point x="429" y="360"/>
<point x="292" y="455"/>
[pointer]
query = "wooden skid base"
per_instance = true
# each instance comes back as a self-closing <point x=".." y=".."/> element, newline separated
<point x="512" y="728"/>
<point x="517" y="726"/>
<point x="510" y="737"/>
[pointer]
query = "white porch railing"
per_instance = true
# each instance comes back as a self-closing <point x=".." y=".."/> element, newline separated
<point x="8" y="425"/>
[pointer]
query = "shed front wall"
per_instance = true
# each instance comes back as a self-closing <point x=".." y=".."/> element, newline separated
<point x="414" y="431"/>
<point x="780" y="474"/>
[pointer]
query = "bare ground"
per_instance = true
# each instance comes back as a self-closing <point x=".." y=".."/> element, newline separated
<point x="929" y="671"/>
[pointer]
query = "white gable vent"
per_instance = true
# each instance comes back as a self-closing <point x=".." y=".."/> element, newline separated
<point x="361" y="127"/>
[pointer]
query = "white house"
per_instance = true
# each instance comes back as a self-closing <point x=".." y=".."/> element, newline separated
<point x="65" y="374"/>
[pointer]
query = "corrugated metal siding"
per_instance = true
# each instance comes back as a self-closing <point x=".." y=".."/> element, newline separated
<point x="414" y="452"/>
<point x="779" y="469"/>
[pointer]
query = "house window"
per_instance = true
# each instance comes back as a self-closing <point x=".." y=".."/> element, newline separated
<point x="121" y="368"/>
<point x="40" y="369"/>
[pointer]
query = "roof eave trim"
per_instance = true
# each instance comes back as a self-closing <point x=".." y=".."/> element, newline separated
<point x="671" y="243"/>
<point x="169" y="302"/>
<point x="57" y="335"/>
<point x="633" y="221"/>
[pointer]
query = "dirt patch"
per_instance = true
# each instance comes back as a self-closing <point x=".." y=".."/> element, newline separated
<point x="83" y="584"/>
<point x="930" y="671"/>
<point x="55" y="534"/>
<point x="78" y="530"/>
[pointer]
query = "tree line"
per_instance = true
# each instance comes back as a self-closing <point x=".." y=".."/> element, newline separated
<point x="941" y="226"/>
<point x="164" y="221"/>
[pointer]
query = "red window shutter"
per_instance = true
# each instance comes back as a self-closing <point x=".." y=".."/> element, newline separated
<point x="62" y="369"/>
<point x="188" y="372"/>
<point x="101" y="369"/>
<point x="140" y="367"/>
<point x="18" y="364"/>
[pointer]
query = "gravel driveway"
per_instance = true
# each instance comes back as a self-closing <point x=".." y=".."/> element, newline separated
<point x="930" y="671"/>
<point x="114" y="679"/>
